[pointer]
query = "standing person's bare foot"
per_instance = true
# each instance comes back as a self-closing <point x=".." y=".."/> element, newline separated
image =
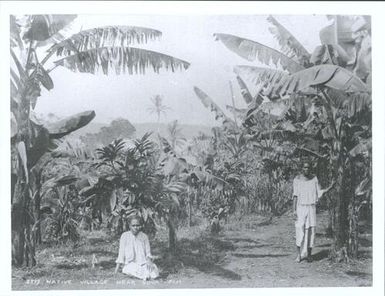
<point x="298" y="259"/>
<point x="309" y="257"/>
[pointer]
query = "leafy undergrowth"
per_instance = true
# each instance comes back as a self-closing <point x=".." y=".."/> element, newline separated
<point x="250" y="251"/>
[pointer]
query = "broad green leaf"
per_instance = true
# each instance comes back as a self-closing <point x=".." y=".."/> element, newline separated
<point x="43" y="77"/>
<point x="289" y="44"/>
<point x="342" y="34"/>
<point x="128" y="60"/>
<point x="210" y="104"/>
<point x="324" y="54"/>
<point x="45" y="26"/>
<point x="113" y="199"/>
<point x="20" y="68"/>
<point x="66" y="180"/>
<point x="240" y="113"/>
<point x="364" y="187"/>
<point x="14" y="29"/>
<point x="39" y="143"/>
<point x="245" y="91"/>
<point x="144" y="214"/>
<point x="252" y="50"/>
<point x="364" y="60"/>
<point x="67" y="125"/>
<point x="363" y="147"/>
<point x="283" y="84"/>
<point x="304" y="151"/>
<point x="277" y="134"/>
<point x="14" y="126"/>
<point x="209" y="179"/>
<point x="21" y="149"/>
<point x="104" y="36"/>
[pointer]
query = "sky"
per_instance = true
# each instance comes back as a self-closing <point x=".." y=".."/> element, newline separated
<point x="188" y="37"/>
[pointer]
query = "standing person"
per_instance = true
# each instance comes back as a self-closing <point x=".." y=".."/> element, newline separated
<point x="306" y="193"/>
<point x="135" y="254"/>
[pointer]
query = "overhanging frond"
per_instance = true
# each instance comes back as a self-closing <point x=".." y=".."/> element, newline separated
<point x="209" y="103"/>
<point x="121" y="59"/>
<point x="363" y="147"/>
<point x="103" y="37"/>
<point x="14" y="30"/>
<point x="252" y="50"/>
<point x="282" y="84"/>
<point x="240" y="113"/>
<point x="45" y="26"/>
<point x="69" y="124"/>
<point x="244" y="91"/>
<point x="289" y="44"/>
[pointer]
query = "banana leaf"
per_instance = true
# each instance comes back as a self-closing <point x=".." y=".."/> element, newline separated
<point x="69" y="124"/>
<point x="22" y="151"/>
<point x="120" y="59"/>
<point x="321" y="75"/>
<point x="289" y="44"/>
<point x="14" y="29"/>
<point x="363" y="147"/>
<point x="252" y="50"/>
<point x="104" y="36"/>
<point x="244" y="91"/>
<point x="210" y="104"/>
<point x="44" y="26"/>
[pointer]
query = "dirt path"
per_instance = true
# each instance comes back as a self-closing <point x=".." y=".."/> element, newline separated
<point x="250" y="253"/>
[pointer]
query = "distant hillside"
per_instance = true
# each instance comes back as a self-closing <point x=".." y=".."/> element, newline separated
<point x="188" y="130"/>
<point x="92" y="128"/>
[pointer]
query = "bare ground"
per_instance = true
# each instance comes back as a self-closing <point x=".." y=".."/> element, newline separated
<point x="250" y="252"/>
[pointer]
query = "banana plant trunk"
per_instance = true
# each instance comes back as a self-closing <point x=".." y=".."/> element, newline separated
<point x="22" y="248"/>
<point x="37" y="216"/>
<point x="189" y="201"/>
<point x="18" y="223"/>
<point x="23" y="244"/>
<point x="340" y="245"/>
<point x="172" y="240"/>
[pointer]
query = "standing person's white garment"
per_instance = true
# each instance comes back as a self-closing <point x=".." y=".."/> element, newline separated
<point x="308" y="192"/>
<point x="134" y="254"/>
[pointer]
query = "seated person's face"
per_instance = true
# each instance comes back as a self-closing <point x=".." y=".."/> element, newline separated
<point x="135" y="226"/>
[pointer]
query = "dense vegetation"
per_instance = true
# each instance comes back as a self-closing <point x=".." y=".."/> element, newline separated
<point x="312" y="106"/>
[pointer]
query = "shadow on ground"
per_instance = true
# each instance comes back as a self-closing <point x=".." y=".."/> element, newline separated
<point x="71" y="266"/>
<point x="259" y="255"/>
<point x="99" y="252"/>
<point x="359" y="274"/>
<point x="204" y="254"/>
<point x="320" y="255"/>
<point x="107" y="264"/>
<point x="249" y="243"/>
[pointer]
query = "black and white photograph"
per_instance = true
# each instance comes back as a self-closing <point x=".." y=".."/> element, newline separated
<point x="178" y="150"/>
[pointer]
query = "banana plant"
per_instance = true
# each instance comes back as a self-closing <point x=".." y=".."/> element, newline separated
<point x="92" y="51"/>
<point x="337" y="74"/>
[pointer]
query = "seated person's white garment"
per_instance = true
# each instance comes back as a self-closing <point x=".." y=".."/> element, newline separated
<point x="134" y="252"/>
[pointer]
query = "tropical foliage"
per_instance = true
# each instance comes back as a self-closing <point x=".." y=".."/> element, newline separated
<point x="326" y="110"/>
<point x="314" y="106"/>
<point x="91" y="51"/>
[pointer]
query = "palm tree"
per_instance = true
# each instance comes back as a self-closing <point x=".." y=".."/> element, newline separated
<point x="337" y="75"/>
<point x="90" y="51"/>
<point x="158" y="107"/>
<point x="175" y="135"/>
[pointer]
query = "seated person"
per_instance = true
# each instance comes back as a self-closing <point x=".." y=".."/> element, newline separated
<point x="135" y="254"/>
